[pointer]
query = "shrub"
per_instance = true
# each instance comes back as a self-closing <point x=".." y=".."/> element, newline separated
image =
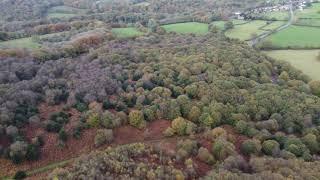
<point x="56" y="121"/>
<point x="179" y="125"/>
<point x="136" y="119"/>
<point x="251" y="146"/>
<point x="242" y="127"/>
<point x="20" y="175"/>
<point x="107" y="104"/>
<point x="271" y="125"/>
<point x="18" y="151"/>
<point x="186" y="148"/>
<point x="310" y="140"/>
<point x="52" y="126"/>
<point x="194" y="114"/>
<point x="82" y="107"/>
<point x="215" y="133"/>
<point x="33" y="152"/>
<point x="205" y="156"/>
<point x="191" y="90"/>
<point x="315" y="87"/>
<point x="207" y="120"/>
<point x="12" y="131"/>
<point x="236" y="163"/>
<point x="103" y="136"/>
<point x="271" y="147"/>
<point x="63" y="136"/>
<point x="109" y="120"/>
<point x="295" y="146"/>
<point x="185" y="104"/>
<point x="149" y="114"/>
<point x="93" y="119"/>
<point x="221" y="149"/>
<point x="281" y="138"/>
<point x="169" y="132"/>
<point x="228" y="25"/>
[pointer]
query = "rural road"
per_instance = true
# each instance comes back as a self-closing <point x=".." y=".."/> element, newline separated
<point x="258" y="39"/>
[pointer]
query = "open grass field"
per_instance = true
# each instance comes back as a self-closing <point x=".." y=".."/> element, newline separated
<point x="278" y="15"/>
<point x="186" y="28"/>
<point x="312" y="12"/>
<point x="220" y="24"/>
<point x="20" y="43"/>
<point x="245" y="31"/>
<point x="274" y="25"/>
<point x="296" y="36"/>
<point x="64" y="12"/>
<point x="304" y="60"/>
<point x="308" y="22"/>
<point x="126" y="32"/>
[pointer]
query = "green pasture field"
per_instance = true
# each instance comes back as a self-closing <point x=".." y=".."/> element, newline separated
<point x="20" y="43"/>
<point x="186" y="28"/>
<point x="273" y="25"/>
<point x="245" y="31"/>
<point x="296" y="36"/>
<point x="308" y="22"/>
<point x="304" y="60"/>
<point x="126" y="32"/>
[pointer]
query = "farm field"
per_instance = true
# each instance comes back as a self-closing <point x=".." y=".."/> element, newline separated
<point x="304" y="60"/>
<point x="312" y="12"/>
<point x="274" y="25"/>
<point x="220" y="24"/>
<point x="189" y="27"/>
<point x="126" y="32"/>
<point x="296" y="36"/>
<point x="278" y="15"/>
<point x="20" y="43"/>
<point x="64" y="12"/>
<point x="308" y="22"/>
<point x="245" y="31"/>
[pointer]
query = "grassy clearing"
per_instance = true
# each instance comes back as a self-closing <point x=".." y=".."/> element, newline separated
<point x="186" y="28"/>
<point x="274" y="25"/>
<point x="277" y="15"/>
<point x="305" y="60"/>
<point x="20" y="43"/>
<point x="220" y="24"/>
<point x="64" y="12"/>
<point x="245" y="31"/>
<point x="296" y="36"/>
<point x="126" y="32"/>
<point x="49" y="167"/>
<point x="312" y="12"/>
<point x="308" y="22"/>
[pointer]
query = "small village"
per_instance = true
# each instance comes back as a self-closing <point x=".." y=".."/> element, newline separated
<point x="270" y="7"/>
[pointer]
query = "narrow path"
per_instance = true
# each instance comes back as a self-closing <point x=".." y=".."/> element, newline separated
<point x="258" y="39"/>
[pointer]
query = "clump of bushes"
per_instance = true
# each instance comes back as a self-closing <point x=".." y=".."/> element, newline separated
<point x="215" y="133"/>
<point x="136" y="119"/>
<point x="103" y="136"/>
<point x="180" y="126"/>
<point x="251" y="146"/>
<point x="205" y="156"/>
<point x="271" y="147"/>
<point x="222" y="148"/>
<point x="185" y="148"/>
<point x="56" y="121"/>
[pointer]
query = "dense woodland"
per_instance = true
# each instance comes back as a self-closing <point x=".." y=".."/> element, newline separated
<point x="203" y="85"/>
